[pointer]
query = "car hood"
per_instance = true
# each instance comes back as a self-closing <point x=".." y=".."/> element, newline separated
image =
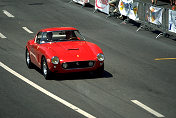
<point x="72" y="51"/>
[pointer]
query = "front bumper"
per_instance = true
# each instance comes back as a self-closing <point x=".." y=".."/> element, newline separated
<point x="74" y="67"/>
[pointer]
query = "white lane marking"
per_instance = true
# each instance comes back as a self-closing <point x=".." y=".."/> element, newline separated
<point x="8" y="14"/>
<point x="73" y="107"/>
<point x="27" y="30"/>
<point x="2" y="36"/>
<point x="147" y="108"/>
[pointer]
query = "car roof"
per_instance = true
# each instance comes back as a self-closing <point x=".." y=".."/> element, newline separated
<point x="57" y="29"/>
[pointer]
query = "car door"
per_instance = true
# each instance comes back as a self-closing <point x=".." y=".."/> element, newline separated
<point x="35" y="51"/>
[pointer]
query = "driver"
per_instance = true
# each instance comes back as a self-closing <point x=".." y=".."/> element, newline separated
<point x="49" y="36"/>
<point x="70" y="34"/>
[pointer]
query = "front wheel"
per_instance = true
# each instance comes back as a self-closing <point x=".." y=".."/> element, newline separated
<point x="99" y="72"/>
<point x="45" y="70"/>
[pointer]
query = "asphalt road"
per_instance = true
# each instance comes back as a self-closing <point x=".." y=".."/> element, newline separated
<point x="131" y="73"/>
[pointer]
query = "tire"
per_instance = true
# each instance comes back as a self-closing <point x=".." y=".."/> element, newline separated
<point x="28" y="59"/>
<point x="99" y="72"/>
<point x="45" y="70"/>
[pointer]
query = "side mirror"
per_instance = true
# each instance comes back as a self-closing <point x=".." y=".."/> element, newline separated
<point x="78" y="38"/>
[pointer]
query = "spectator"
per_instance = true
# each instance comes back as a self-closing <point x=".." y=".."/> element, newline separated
<point x="173" y="3"/>
<point x="113" y="4"/>
<point x="153" y="2"/>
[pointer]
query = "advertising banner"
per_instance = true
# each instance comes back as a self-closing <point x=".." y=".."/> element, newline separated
<point x="133" y="14"/>
<point x="83" y="2"/>
<point x="172" y="21"/>
<point x="155" y="15"/>
<point x="128" y="8"/>
<point x="102" y="5"/>
<point x="124" y="7"/>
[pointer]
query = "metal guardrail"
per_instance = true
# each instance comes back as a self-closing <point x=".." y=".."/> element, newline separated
<point x="143" y="18"/>
<point x="143" y="13"/>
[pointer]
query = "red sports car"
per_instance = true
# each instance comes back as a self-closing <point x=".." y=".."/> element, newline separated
<point x="63" y="50"/>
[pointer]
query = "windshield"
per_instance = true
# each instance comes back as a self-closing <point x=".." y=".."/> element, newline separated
<point x="58" y="36"/>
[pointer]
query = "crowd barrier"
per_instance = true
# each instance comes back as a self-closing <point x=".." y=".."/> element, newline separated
<point x="147" y="15"/>
<point x="152" y="17"/>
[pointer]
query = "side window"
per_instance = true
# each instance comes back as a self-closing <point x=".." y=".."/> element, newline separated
<point x="39" y="36"/>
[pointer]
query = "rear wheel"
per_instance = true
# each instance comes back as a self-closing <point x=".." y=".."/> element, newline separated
<point x="45" y="70"/>
<point x="28" y="59"/>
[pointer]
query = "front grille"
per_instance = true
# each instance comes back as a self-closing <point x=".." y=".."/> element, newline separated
<point x="78" y="64"/>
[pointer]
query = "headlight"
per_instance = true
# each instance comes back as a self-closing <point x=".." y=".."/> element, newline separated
<point x="55" y="60"/>
<point x="100" y="57"/>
